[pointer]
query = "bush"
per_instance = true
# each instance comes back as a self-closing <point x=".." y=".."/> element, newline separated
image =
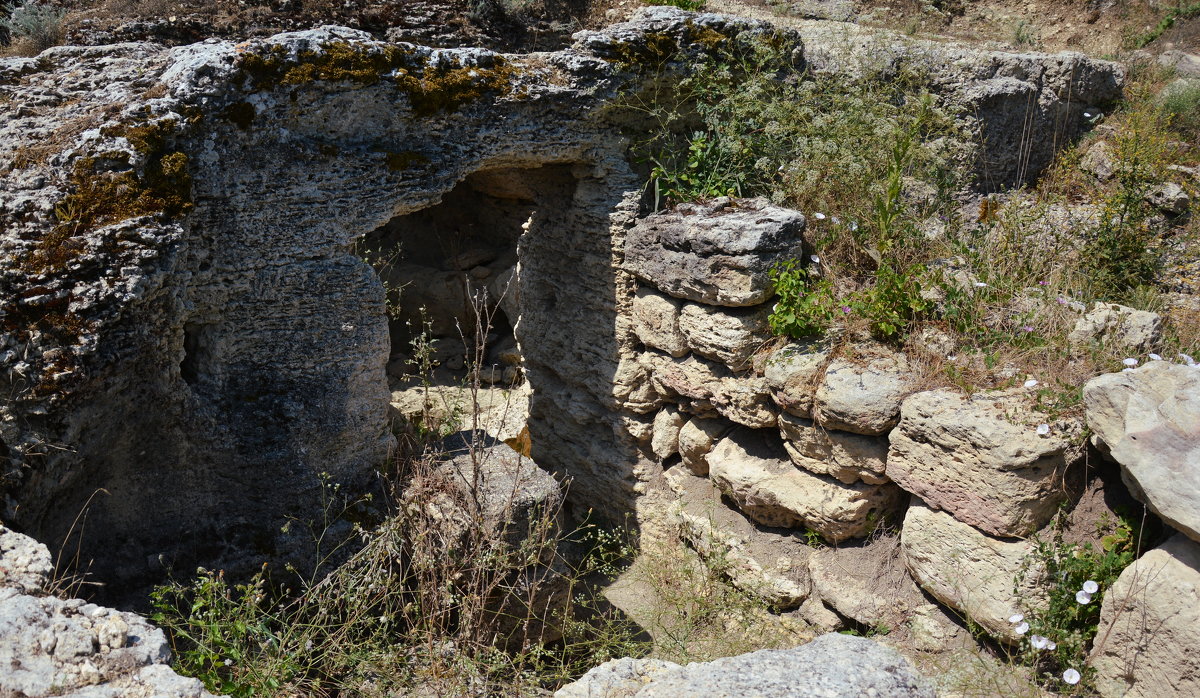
<point x="39" y="26"/>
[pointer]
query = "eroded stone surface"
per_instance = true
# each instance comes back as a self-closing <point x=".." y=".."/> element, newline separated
<point x="704" y="388"/>
<point x="730" y="336"/>
<point x="696" y="440"/>
<point x="656" y="322"/>
<point x="793" y="373"/>
<point x="863" y="395"/>
<point x="840" y="454"/>
<point x="1115" y="325"/>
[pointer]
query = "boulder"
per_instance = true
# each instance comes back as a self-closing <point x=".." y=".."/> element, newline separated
<point x="51" y="646"/>
<point x="840" y="454"/>
<point x="696" y="440"/>
<point x="1186" y="65"/>
<point x="706" y="389"/>
<point x="831" y="665"/>
<point x="983" y="459"/>
<point x="1098" y="161"/>
<point x="968" y="570"/>
<point x="863" y="395"/>
<point x="793" y="371"/>
<point x="665" y="441"/>
<point x="720" y="253"/>
<point x="656" y="322"/>
<point x="1115" y="325"/>
<point x="818" y="615"/>
<point x="753" y="469"/>
<point x="770" y="564"/>
<point x="1148" y="420"/>
<point x="730" y="336"/>
<point x="1148" y="640"/>
<point x="1169" y="197"/>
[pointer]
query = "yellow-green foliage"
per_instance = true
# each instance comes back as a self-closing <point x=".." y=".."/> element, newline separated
<point x="430" y="88"/>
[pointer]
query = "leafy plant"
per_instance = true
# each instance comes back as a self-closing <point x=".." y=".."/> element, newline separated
<point x="40" y="25"/>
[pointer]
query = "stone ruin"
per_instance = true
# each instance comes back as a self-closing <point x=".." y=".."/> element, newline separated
<point x="194" y="341"/>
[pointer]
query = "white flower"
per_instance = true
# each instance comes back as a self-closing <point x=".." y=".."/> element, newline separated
<point x="1016" y="618"/>
<point x="1127" y="370"/>
<point x="835" y="220"/>
<point x="952" y="357"/>
<point x="1038" y="642"/>
<point x="1130" y="362"/>
<point x="1187" y="360"/>
<point x="1155" y="357"/>
<point x="1021" y="628"/>
<point x="980" y="284"/>
<point x="1043" y="429"/>
<point x="1031" y="382"/>
<point x="815" y="258"/>
<point x="1091" y="587"/>
<point x="228" y="662"/>
<point x="819" y="216"/>
<point x="1083" y="597"/>
<point x="1050" y="646"/>
<point x="1071" y="676"/>
<point x="853" y="225"/>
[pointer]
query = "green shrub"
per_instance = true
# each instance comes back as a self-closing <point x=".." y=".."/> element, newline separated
<point x="39" y="25"/>
<point x="1181" y="104"/>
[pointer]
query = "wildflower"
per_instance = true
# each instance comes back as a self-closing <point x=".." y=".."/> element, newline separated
<point x="1016" y="618"/>
<point x="1027" y="328"/>
<point x="1021" y="628"/>
<point x="952" y="357"/>
<point x="819" y="216"/>
<point x="1155" y="357"/>
<point x="1130" y="362"/>
<point x="1038" y="642"/>
<point x="1071" y="676"/>
<point x="980" y="284"/>
<point x="846" y="309"/>
<point x="1031" y="382"/>
<point x="853" y="225"/>
<point x="1083" y="597"/>
<point x="1062" y="301"/>
<point x="815" y="258"/>
<point x="1043" y="429"/>
<point x="228" y="662"/>
<point x="1187" y="360"/>
<point x="1051" y="646"/>
<point x="1091" y="587"/>
<point x="1043" y="283"/>
<point x="835" y="220"/>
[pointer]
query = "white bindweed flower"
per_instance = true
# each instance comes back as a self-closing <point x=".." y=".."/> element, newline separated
<point x="1091" y="587"/>
<point x="835" y="220"/>
<point x="1155" y="357"/>
<point x="1130" y="362"/>
<point x="1071" y="676"/>
<point x="1050" y="646"/>
<point x="228" y="662"/>
<point x="819" y="216"/>
<point x="1016" y="618"/>
<point x="815" y="258"/>
<point x="1038" y="642"/>
<point x="1187" y="360"/>
<point x="980" y="284"/>
<point x="1031" y="382"/>
<point x="1087" y="115"/>
<point x="1021" y="628"/>
<point x="853" y="225"/>
<point x="1083" y="597"/>
<point x="1043" y="429"/>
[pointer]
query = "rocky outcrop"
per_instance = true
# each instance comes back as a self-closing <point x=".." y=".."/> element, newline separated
<point x="51" y="646"/>
<point x="1119" y="326"/>
<point x="1150" y="626"/>
<point x="1148" y="420"/>
<point x="984" y="458"/>
<point x="831" y="665"/>
<point x="987" y="579"/>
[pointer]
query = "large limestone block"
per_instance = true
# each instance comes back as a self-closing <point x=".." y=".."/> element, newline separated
<point x="632" y="388"/>
<point x="793" y="373"/>
<point x="719" y="253"/>
<point x="968" y="570"/>
<point x="1149" y="419"/>
<point x="1118" y="326"/>
<point x="981" y="458"/>
<point x="755" y="471"/>
<point x="863" y="395"/>
<point x="665" y="441"/>
<point x="1148" y="641"/>
<point x="730" y="336"/>
<point x="656" y="322"/>
<point x="771" y="564"/>
<point x="840" y="454"/>
<point x="696" y="441"/>
<point x="707" y="389"/>
<point x="867" y="582"/>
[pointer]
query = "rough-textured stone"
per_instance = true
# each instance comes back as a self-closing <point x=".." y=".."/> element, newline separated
<point x="754" y="470"/>
<point x="696" y="440"/>
<point x="968" y="570"/>
<point x="981" y="458"/>
<point x="703" y="388"/>
<point x="1098" y="160"/>
<point x="719" y="253"/>
<point x="51" y="646"/>
<point x="840" y="454"/>
<point x="1149" y="421"/>
<point x="730" y="336"/>
<point x="771" y="564"/>
<point x="1148" y="640"/>
<point x="793" y="373"/>
<point x="665" y="441"/>
<point x="831" y="665"/>
<point x="1169" y="197"/>
<point x="863" y="395"/>
<point x="656" y="322"/>
<point x="867" y="583"/>
<point x="1120" y="326"/>
<point x="617" y="678"/>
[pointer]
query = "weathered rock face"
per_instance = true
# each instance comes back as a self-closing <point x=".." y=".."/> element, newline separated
<point x="968" y="570"/>
<point x="863" y="396"/>
<point x="51" y="646"/>
<point x="982" y="459"/>
<point x="1149" y="420"/>
<point x="1111" y="324"/>
<point x="1150" y="626"/>
<point x="840" y="454"/>
<point x="833" y="665"/>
